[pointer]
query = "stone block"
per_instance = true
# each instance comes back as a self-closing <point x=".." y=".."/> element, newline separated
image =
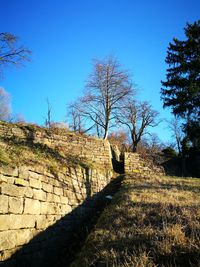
<point x="13" y="238"/>
<point x="73" y="202"/>
<point x="9" y="171"/>
<point x="15" y="205"/>
<point x="47" y="187"/>
<point x="70" y="194"/>
<point x="12" y="221"/>
<point x="3" y="204"/>
<point x="48" y="174"/>
<point x="28" y="192"/>
<point x="55" y="182"/>
<point x="65" y="209"/>
<point x="46" y="221"/>
<point x="61" y="176"/>
<point x="3" y="178"/>
<point x="21" y="182"/>
<point x="39" y="169"/>
<point x="64" y="199"/>
<point x="35" y="175"/>
<point x="12" y="190"/>
<point x="39" y="194"/>
<point x="8" y="239"/>
<point x="41" y="222"/>
<point x="23" y="172"/>
<point x="32" y="206"/>
<point x="49" y="208"/>
<point x="58" y="191"/>
<point x="6" y="254"/>
<point x="35" y="183"/>
<point x="53" y="198"/>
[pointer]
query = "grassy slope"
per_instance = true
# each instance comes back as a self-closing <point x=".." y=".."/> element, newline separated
<point x="150" y="222"/>
<point x="16" y="152"/>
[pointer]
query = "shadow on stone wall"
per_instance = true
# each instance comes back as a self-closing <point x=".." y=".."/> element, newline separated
<point x="57" y="245"/>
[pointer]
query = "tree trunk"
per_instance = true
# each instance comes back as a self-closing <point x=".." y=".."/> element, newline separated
<point x="106" y="134"/>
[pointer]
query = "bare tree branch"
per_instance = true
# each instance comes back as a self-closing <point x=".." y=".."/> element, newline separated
<point x="137" y="117"/>
<point x="10" y="52"/>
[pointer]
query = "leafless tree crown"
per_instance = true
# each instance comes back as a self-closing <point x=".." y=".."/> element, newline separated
<point x="106" y="89"/>
<point x="10" y="52"/>
<point x="137" y="117"/>
<point x="5" y="109"/>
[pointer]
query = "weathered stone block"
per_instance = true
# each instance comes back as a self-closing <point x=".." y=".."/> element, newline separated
<point x="39" y="194"/>
<point x="35" y="183"/>
<point x="3" y="204"/>
<point x="41" y="222"/>
<point x="65" y="209"/>
<point x="53" y="198"/>
<point x="8" y="239"/>
<point x="61" y="176"/>
<point x="32" y="206"/>
<point x="49" y="208"/>
<point x="9" y="171"/>
<point x="46" y="221"/>
<point x="39" y="169"/>
<point x="6" y="254"/>
<point x="35" y="175"/>
<point x="47" y="187"/>
<point x="23" y="172"/>
<point x="12" y="221"/>
<point x="15" y="204"/>
<point x="21" y="182"/>
<point x="12" y="238"/>
<point x="28" y="192"/>
<point x="3" y="178"/>
<point x="64" y="200"/>
<point x="70" y="194"/>
<point x="12" y="190"/>
<point x="48" y="174"/>
<point x="58" y="191"/>
<point x="73" y="202"/>
<point x="55" y="182"/>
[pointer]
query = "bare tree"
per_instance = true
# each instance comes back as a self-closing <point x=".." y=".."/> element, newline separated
<point x="76" y="123"/>
<point x="137" y="117"/>
<point x="48" y="120"/>
<point x="107" y="87"/>
<point x="5" y="109"/>
<point x="175" y="126"/>
<point x="10" y="52"/>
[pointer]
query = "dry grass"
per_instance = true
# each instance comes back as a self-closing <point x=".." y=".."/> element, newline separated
<point x="14" y="152"/>
<point x="151" y="222"/>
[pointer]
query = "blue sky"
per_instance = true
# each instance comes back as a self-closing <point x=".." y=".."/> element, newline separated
<point x="65" y="35"/>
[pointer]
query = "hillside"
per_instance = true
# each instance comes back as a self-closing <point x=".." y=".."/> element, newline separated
<point x="53" y="188"/>
<point x="151" y="222"/>
<point x="55" y="148"/>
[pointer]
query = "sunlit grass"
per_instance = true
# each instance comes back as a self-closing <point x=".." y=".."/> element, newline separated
<point x="152" y="221"/>
<point x="15" y="152"/>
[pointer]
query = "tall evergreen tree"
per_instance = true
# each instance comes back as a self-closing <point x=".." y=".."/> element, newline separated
<point x="181" y="90"/>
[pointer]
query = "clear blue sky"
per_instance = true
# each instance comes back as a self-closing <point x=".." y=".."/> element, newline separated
<point x="64" y="36"/>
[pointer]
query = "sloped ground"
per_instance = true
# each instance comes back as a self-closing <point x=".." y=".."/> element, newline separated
<point x="150" y="222"/>
<point x="16" y="152"/>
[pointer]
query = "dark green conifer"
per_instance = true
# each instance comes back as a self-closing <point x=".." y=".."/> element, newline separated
<point x="181" y="90"/>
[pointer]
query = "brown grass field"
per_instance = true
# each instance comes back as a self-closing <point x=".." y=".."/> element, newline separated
<point x="152" y="221"/>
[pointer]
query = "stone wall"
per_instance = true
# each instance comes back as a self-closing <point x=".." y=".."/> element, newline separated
<point x="40" y="211"/>
<point x="32" y="200"/>
<point x="97" y="151"/>
<point x="133" y="163"/>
